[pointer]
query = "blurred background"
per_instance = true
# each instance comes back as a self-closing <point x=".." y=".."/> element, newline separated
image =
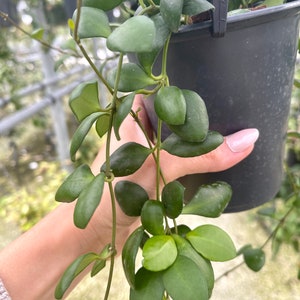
<point x="35" y="129"/>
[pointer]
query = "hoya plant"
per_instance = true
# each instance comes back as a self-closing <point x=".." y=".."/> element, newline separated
<point x="176" y="259"/>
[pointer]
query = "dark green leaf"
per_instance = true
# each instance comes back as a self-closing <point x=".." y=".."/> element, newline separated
<point x="74" y="184"/>
<point x="88" y="201"/>
<point x="132" y="78"/>
<point x="254" y="258"/>
<point x="172" y="198"/>
<point x="176" y="146"/>
<point x="73" y="271"/>
<point x="210" y="200"/>
<point x="184" y="280"/>
<point x="102" y="4"/>
<point x="159" y="253"/>
<point x="122" y="112"/>
<point x="131" y="197"/>
<point x="152" y="217"/>
<point x="137" y="34"/>
<point x="170" y="106"/>
<point x="127" y="159"/>
<point x="102" y="124"/>
<point x="84" y="100"/>
<point x="81" y="132"/>
<point x="98" y="266"/>
<point x="212" y="242"/>
<point x="149" y="286"/>
<point x="129" y="254"/>
<point x="195" y="7"/>
<point x="93" y="23"/>
<point x="171" y="11"/>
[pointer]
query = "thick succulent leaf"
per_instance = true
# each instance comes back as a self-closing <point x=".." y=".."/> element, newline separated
<point x="81" y="132"/>
<point x="131" y="197"/>
<point x="102" y="124"/>
<point x="93" y="23"/>
<point x="171" y="11"/>
<point x="132" y="78"/>
<point x="149" y="286"/>
<point x="184" y="280"/>
<point x="74" y="184"/>
<point x="159" y="253"/>
<point x="172" y="198"/>
<point x="129" y="254"/>
<point x="195" y="7"/>
<point x="88" y="201"/>
<point x="137" y="34"/>
<point x="81" y="263"/>
<point x="170" y="105"/>
<point x="84" y="100"/>
<point x="254" y="258"/>
<point x="102" y="4"/>
<point x="122" y="112"/>
<point x="127" y="159"/>
<point x="176" y="146"/>
<point x="212" y="242"/>
<point x="210" y="200"/>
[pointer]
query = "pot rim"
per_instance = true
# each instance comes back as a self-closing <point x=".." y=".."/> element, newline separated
<point x="242" y="20"/>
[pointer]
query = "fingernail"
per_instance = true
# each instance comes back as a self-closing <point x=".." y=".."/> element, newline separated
<point x="241" y="140"/>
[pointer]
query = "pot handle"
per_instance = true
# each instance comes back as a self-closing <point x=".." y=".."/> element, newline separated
<point x="219" y="17"/>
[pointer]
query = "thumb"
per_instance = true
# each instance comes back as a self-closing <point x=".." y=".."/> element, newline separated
<point x="235" y="148"/>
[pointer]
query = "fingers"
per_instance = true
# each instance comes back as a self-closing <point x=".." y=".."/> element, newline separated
<point x="235" y="148"/>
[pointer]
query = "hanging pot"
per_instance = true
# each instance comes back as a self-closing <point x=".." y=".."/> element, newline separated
<point x="245" y="79"/>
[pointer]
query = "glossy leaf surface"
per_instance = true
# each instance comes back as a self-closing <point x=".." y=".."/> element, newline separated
<point x="212" y="242"/>
<point x="129" y="254"/>
<point x="127" y="159"/>
<point x="184" y="280"/>
<point x="134" y="35"/>
<point x="172" y="198"/>
<point x="132" y="78"/>
<point x="84" y="100"/>
<point x="88" y="201"/>
<point x="170" y="106"/>
<point x="195" y="127"/>
<point x="254" y="258"/>
<point x="210" y="200"/>
<point x="159" y="253"/>
<point x="131" y="197"/>
<point x="93" y="23"/>
<point x="176" y="146"/>
<point x="171" y="11"/>
<point x="74" y="184"/>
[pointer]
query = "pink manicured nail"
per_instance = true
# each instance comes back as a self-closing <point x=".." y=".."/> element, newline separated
<point x="241" y="140"/>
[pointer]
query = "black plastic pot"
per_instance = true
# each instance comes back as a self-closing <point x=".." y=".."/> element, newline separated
<point x="245" y="79"/>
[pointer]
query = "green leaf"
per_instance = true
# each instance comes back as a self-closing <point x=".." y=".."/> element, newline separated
<point x="210" y="200"/>
<point x="152" y="217"/>
<point x="254" y="258"/>
<point x="172" y="198"/>
<point x="195" y="7"/>
<point x="185" y="249"/>
<point x="81" y="263"/>
<point x="102" y="124"/>
<point x="93" y="22"/>
<point x="38" y="34"/>
<point x="132" y="78"/>
<point x="184" y="280"/>
<point x="268" y="211"/>
<point x="127" y="159"/>
<point x="98" y="266"/>
<point x="129" y="253"/>
<point x="88" y="201"/>
<point x="212" y="242"/>
<point x="176" y="146"/>
<point x="149" y="286"/>
<point x="170" y="106"/>
<point x="102" y="4"/>
<point x="81" y="132"/>
<point x="74" y="184"/>
<point x="195" y="127"/>
<point x="137" y="34"/>
<point x="122" y="112"/>
<point x="270" y="3"/>
<point x="171" y="11"/>
<point x="131" y="197"/>
<point x="69" y="44"/>
<point x="84" y="100"/>
<point x="159" y="253"/>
